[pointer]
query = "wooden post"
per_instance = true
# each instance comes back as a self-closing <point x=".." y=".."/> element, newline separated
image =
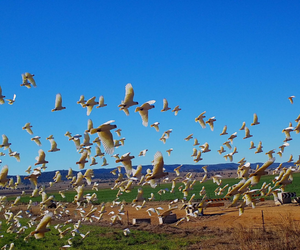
<point x="263" y="220"/>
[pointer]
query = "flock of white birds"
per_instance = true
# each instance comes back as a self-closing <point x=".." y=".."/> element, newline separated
<point x="131" y="177"/>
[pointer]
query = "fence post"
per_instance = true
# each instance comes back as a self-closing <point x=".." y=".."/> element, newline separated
<point x="263" y="220"/>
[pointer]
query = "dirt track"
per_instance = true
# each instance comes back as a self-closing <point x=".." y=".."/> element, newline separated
<point x="214" y="217"/>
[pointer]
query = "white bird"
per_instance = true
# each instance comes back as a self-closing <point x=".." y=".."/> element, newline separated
<point x="1" y="96"/>
<point x="287" y="132"/>
<point x="101" y="102"/>
<point x="58" y="103"/>
<point x="5" y="144"/>
<point x="224" y="131"/>
<point x="234" y="135"/>
<point x="41" y="158"/>
<point x="29" y="77"/>
<point x="270" y="153"/>
<point x="165" y="105"/>
<point x="25" y="82"/>
<point x="283" y="146"/>
<point x="252" y="145"/>
<point x="259" y="148"/>
<point x="155" y="125"/>
<point x="167" y="133"/>
<point x="11" y="101"/>
<point x="106" y="136"/>
<point x="247" y="133"/>
<point x="126" y="231"/>
<point x="128" y="100"/>
<point x="89" y="126"/>
<point x="90" y="103"/>
<point x="14" y="154"/>
<point x="176" y="110"/>
<point x="196" y="143"/>
<point x="221" y="150"/>
<point x="82" y="160"/>
<point x="81" y="100"/>
<point x="227" y="144"/>
<point x="291" y="158"/>
<point x="198" y="156"/>
<point x="143" y="111"/>
<point x="243" y="126"/>
<point x="93" y="161"/>
<point x="50" y="137"/>
<point x="291" y="99"/>
<point x="125" y="159"/>
<point x="104" y="162"/>
<point x="36" y="139"/>
<point x="157" y="171"/>
<point x="200" y="119"/>
<point x="210" y="122"/>
<point x="53" y="146"/>
<point x="98" y="152"/>
<point x="41" y="228"/>
<point x="205" y="148"/>
<point x="3" y="176"/>
<point x="255" y="177"/>
<point x="194" y="152"/>
<point x="143" y="152"/>
<point x="118" y="131"/>
<point x="189" y="137"/>
<point x="86" y="140"/>
<point x="255" y="120"/>
<point x="169" y="151"/>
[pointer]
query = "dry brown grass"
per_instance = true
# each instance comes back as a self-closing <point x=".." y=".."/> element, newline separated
<point x="281" y="235"/>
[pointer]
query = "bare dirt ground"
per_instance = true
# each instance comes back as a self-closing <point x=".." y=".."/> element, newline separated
<point x="219" y="227"/>
<point x="214" y="217"/>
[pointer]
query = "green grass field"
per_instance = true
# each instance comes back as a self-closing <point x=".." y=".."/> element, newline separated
<point x="99" y="238"/>
<point x="111" y="237"/>
<point x="108" y="195"/>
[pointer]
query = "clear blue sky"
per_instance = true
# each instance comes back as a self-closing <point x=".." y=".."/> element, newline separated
<point x="229" y="58"/>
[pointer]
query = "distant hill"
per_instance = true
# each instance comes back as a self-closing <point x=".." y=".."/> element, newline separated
<point x="104" y="173"/>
